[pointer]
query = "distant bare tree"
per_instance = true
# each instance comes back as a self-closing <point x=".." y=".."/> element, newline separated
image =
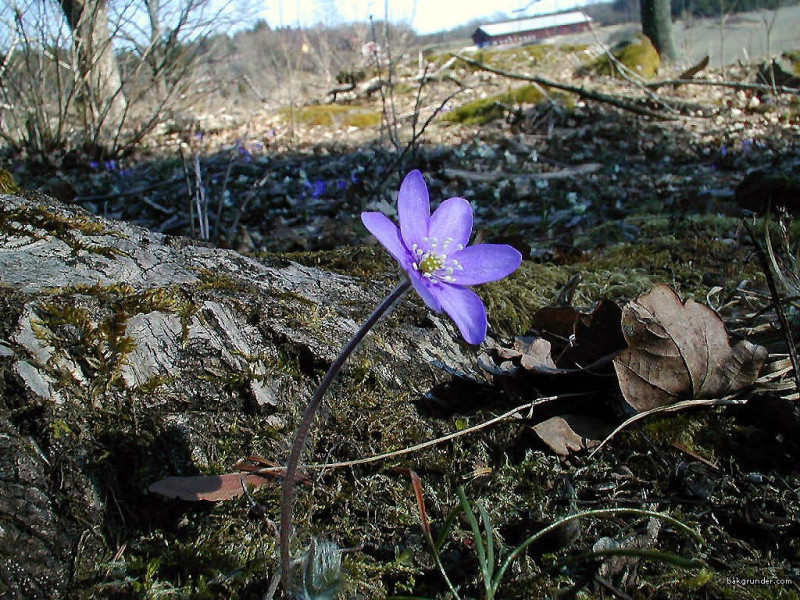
<point x="657" y="25"/>
<point x="99" y="74"/>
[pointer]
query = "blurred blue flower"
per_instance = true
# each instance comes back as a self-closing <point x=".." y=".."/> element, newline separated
<point x="317" y="188"/>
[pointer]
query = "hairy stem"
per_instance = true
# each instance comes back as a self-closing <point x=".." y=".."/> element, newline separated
<point x="290" y="476"/>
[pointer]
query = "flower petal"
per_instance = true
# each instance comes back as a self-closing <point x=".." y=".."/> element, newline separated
<point x="485" y="262"/>
<point x="413" y="209"/>
<point x="466" y="309"/>
<point x="452" y="220"/>
<point x="388" y="235"/>
<point x="425" y="288"/>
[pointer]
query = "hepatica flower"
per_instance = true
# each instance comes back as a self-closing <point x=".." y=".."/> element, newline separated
<point x="432" y="249"/>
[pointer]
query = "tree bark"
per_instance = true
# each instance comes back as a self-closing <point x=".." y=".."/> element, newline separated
<point x="127" y="357"/>
<point x="657" y="25"/>
<point x="105" y="105"/>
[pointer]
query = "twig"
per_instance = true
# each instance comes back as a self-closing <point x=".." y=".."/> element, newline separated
<point x="187" y="179"/>
<point x="582" y="92"/>
<point x="736" y="85"/>
<point x="629" y="74"/>
<point x="668" y="408"/>
<point x="493" y="176"/>
<point x="776" y="301"/>
<point x="201" y="200"/>
<point x="529" y="406"/>
<point x="416" y="135"/>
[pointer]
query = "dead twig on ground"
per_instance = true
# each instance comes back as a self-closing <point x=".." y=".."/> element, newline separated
<point x="776" y="301"/>
<point x="494" y="176"/>
<point x="630" y="75"/>
<point x="736" y="85"/>
<point x="622" y="103"/>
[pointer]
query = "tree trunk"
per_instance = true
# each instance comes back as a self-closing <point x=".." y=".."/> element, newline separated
<point x="100" y="82"/>
<point x="657" y="25"/>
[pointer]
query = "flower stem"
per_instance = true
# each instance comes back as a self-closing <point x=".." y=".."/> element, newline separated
<point x="290" y="475"/>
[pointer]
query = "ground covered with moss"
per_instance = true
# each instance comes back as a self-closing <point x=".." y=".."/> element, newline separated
<point x="603" y="204"/>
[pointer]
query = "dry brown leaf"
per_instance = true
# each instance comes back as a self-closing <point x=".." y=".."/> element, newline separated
<point x="211" y="488"/>
<point x="590" y="337"/>
<point x="680" y="350"/>
<point x="572" y="433"/>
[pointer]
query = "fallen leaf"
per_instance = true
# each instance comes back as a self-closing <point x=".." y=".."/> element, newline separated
<point x="571" y="433"/>
<point x="680" y="350"/>
<point x="591" y="337"/>
<point x="529" y="352"/>
<point x="536" y="355"/>
<point x="211" y="488"/>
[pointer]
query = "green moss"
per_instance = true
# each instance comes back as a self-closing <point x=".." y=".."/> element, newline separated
<point x="574" y="48"/>
<point x="675" y="429"/>
<point x="103" y="345"/>
<point x="794" y="58"/>
<point x="482" y="56"/>
<point x="220" y="556"/>
<point x="24" y="221"/>
<point x="512" y="302"/>
<point x="640" y="56"/>
<point x="334" y="115"/>
<point x="371" y="262"/>
<point x="217" y="280"/>
<point x="7" y="183"/>
<point x="485" y="110"/>
<point x="537" y="51"/>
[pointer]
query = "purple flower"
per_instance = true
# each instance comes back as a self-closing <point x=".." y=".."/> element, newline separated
<point x="432" y="251"/>
<point x="317" y="188"/>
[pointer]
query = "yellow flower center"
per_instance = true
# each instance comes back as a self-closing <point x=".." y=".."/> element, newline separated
<point x="431" y="263"/>
<point x="434" y="263"/>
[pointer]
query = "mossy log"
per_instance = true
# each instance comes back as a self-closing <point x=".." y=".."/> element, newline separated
<point x="128" y="356"/>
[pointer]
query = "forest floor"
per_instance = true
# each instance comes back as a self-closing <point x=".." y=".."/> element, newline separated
<point x="571" y="181"/>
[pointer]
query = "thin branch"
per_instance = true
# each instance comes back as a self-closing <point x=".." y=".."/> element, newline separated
<point x="528" y="406"/>
<point x="776" y="301"/>
<point x="582" y="92"/>
<point x="736" y="85"/>
<point x="668" y="408"/>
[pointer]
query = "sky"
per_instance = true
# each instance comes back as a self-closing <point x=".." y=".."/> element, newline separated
<point x="425" y="16"/>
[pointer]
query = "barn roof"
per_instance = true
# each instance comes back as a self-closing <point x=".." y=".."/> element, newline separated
<point x="535" y="23"/>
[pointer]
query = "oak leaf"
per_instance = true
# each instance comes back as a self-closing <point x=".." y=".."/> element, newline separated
<point x="680" y="351"/>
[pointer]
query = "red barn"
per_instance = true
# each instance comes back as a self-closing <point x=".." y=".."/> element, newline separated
<point x="532" y="29"/>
